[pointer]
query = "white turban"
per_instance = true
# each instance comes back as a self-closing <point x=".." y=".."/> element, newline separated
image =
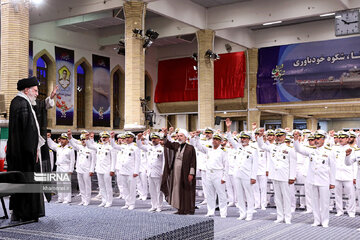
<point x="183" y="131"/>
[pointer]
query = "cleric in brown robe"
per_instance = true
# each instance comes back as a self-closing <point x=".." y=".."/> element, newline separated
<point x="181" y="192"/>
<point x="22" y="149"/>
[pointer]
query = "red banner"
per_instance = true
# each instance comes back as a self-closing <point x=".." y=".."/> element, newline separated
<point x="177" y="78"/>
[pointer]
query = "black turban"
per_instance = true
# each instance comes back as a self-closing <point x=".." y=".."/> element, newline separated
<point x="27" y="83"/>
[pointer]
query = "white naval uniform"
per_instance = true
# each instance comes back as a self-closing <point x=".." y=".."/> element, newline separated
<point x="270" y="186"/>
<point x="65" y="160"/>
<point x="216" y="171"/>
<point x="105" y="163"/>
<point x="230" y="184"/>
<point x="344" y="181"/>
<point x="51" y="154"/>
<point x="301" y="171"/>
<point x="129" y="165"/>
<point x="308" y="187"/>
<point x="85" y="164"/>
<point x="282" y="168"/>
<point x="260" y="187"/>
<point x="142" y="180"/>
<point x="245" y="169"/>
<point x="320" y="175"/>
<point x="155" y="167"/>
<point x="118" y="158"/>
<point x="201" y="164"/>
<point x="354" y="159"/>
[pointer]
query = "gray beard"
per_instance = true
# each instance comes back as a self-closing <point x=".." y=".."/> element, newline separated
<point x="32" y="100"/>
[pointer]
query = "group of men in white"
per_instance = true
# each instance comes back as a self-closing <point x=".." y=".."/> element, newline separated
<point x="238" y="169"/>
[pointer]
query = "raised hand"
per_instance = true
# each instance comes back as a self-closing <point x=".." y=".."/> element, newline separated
<point x="69" y="134"/>
<point x="139" y="136"/>
<point x="228" y="123"/>
<point x="53" y="93"/>
<point x="348" y="151"/>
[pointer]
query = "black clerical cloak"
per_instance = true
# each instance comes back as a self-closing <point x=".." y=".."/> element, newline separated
<point x="187" y="189"/>
<point x="41" y="115"/>
<point x="21" y="156"/>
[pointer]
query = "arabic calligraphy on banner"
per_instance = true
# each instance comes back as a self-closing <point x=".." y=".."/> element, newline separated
<point x="330" y="59"/>
<point x="309" y="71"/>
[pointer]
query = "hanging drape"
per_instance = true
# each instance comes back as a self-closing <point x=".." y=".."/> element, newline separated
<point x="177" y="78"/>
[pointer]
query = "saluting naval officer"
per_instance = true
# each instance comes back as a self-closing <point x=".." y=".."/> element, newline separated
<point x="345" y="177"/>
<point x="104" y="167"/>
<point x="85" y="166"/>
<point x="245" y="170"/>
<point x="282" y="170"/>
<point x="353" y="157"/>
<point x="129" y="168"/>
<point x="216" y="174"/>
<point x="155" y="166"/>
<point x="320" y="176"/>
<point x="65" y="160"/>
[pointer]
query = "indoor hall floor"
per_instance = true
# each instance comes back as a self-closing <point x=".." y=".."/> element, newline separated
<point x="261" y="227"/>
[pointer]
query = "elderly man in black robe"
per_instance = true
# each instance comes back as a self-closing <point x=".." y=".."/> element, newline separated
<point x="23" y="148"/>
<point x="181" y="192"/>
<point x="40" y="109"/>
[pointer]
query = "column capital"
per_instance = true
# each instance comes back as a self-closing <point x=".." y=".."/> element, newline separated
<point x="287" y="121"/>
<point x="134" y="9"/>
<point x="311" y="123"/>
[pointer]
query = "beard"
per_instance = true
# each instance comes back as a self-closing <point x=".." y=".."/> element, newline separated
<point x="32" y="98"/>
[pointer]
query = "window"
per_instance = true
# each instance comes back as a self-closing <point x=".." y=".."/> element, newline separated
<point x="116" y="100"/>
<point x="42" y="75"/>
<point x="80" y="96"/>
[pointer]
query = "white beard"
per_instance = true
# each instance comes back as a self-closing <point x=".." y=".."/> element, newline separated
<point x="32" y="99"/>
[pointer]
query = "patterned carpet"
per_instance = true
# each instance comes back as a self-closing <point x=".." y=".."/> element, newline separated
<point x="92" y="222"/>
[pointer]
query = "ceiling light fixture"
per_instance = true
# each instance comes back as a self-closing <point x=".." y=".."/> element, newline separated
<point x="271" y="23"/>
<point x="120" y="49"/>
<point x="211" y="55"/>
<point x="194" y="56"/>
<point x="151" y="36"/>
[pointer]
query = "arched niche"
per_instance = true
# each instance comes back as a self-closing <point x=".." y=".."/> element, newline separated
<point x="83" y="96"/>
<point x="50" y="80"/>
<point x="117" y="117"/>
